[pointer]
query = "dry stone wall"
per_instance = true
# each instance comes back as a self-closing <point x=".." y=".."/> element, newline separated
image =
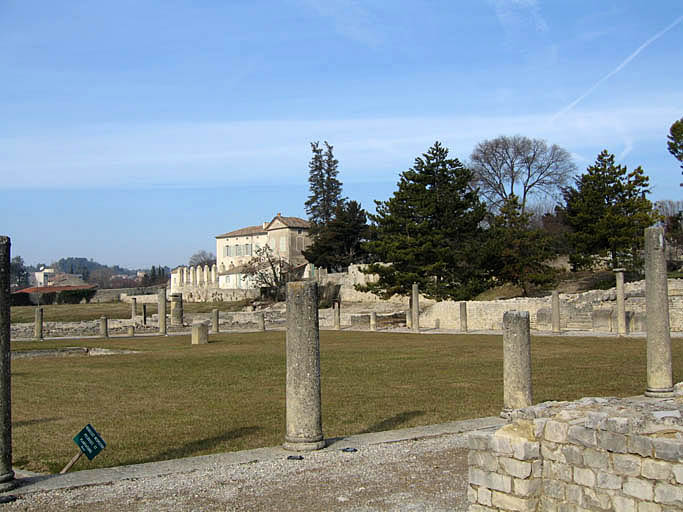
<point x="595" y="454"/>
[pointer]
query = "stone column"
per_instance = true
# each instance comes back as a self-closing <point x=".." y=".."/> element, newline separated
<point x="463" y="316"/>
<point x="177" y="309"/>
<point x="215" y="321"/>
<point x="261" y="321"/>
<point x="337" y="315"/>
<point x="621" y="307"/>
<point x="38" y="324"/>
<point x="144" y="314"/>
<point x="409" y="318"/>
<point x="556" y="311"/>
<point x="133" y="308"/>
<point x="207" y="276"/>
<point x="373" y="321"/>
<point x="7" y="481"/>
<point x="659" y="371"/>
<point x="516" y="361"/>
<point x="415" y="308"/>
<point x="200" y="333"/>
<point x="304" y="413"/>
<point x="437" y="323"/>
<point x="131" y="330"/>
<point x="214" y="275"/>
<point x="183" y="276"/>
<point x="161" y="299"/>
<point x="104" y="327"/>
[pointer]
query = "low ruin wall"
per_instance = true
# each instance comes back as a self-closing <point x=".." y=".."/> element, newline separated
<point x="212" y="293"/>
<point x="595" y="454"/>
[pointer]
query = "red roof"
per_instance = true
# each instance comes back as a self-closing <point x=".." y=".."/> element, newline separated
<point x="50" y="289"/>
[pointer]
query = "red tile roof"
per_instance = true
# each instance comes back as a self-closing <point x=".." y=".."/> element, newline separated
<point x="51" y="289"/>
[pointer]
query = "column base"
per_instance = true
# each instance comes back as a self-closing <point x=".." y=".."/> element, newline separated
<point x="303" y="446"/>
<point x="660" y="393"/>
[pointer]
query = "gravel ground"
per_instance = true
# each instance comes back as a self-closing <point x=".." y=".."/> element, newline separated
<point x="427" y="475"/>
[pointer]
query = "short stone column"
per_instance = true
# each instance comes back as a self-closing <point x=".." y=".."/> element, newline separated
<point x="659" y="371"/>
<point x="38" y="324"/>
<point x="144" y="314"/>
<point x="177" y="313"/>
<point x="373" y="321"/>
<point x="304" y="412"/>
<point x="415" y="308"/>
<point x="7" y="481"/>
<point x="131" y="330"/>
<point x="556" y="312"/>
<point x="437" y="323"/>
<point x="104" y="327"/>
<point x="261" y="321"/>
<point x="215" y="321"/>
<point x="409" y="318"/>
<point x="621" y="304"/>
<point x="516" y="361"/>
<point x="161" y="299"/>
<point x="463" y="316"/>
<point x="337" y="315"/>
<point x="133" y="308"/>
<point x="200" y="333"/>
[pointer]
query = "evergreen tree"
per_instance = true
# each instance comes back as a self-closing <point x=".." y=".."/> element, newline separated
<point x="516" y="252"/>
<point x="675" y="142"/>
<point x="153" y="275"/>
<point x="428" y="232"/>
<point x="324" y="186"/>
<point x="337" y="244"/>
<point x="608" y="212"/>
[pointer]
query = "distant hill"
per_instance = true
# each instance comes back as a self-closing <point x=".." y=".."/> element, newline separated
<point x="73" y="265"/>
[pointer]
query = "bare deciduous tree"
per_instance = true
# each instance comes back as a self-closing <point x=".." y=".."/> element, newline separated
<point x="202" y="258"/>
<point x="267" y="270"/>
<point x="520" y="166"/>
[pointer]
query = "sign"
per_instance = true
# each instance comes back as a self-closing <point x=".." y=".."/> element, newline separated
<point x="89" y="441"/>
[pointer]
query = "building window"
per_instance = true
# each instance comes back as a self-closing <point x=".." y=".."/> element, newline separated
<point x="239" y="250"/>
<point x="283" y="244"/>
<point x="247" y="249"/>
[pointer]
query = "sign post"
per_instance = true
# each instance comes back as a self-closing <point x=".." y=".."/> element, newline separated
<point x="89" y="442"/>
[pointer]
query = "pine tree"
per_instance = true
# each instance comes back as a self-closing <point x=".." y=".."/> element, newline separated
<point x="428" y="232"/>
<point x="324" y="186"/>
<point x="608" y="212"/>
<point x="153" y="275"/>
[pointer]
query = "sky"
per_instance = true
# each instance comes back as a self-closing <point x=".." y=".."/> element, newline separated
<point x="135" y="132"/>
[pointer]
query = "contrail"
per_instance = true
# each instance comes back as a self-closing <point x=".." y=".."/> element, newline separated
<point x="618" y="68"/>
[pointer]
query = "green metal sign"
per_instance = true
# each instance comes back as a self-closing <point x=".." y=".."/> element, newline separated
<point x="89" y="441"/>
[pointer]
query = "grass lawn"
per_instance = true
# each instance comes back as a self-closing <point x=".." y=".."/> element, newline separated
<point x="82" y="312"/>
<point x="176" y="400"/>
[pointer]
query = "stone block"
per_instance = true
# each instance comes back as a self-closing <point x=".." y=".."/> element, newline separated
<point x="573" y="454"/>
<point x="508" y="502"/>
<point x="526" y="487"/>
<point x="584" y="476"/>
<point x="678" y="472"/>
<point x="641" y="445"/>
<point x="475" y="507"/>
<point x="514" y="467"/>
<point x="554" y="488"/>
<point x="596" y="420"/>
<point x="605" y="480"/>
<point x="491" y="480"/>
<point x="668" y="449"/>
<point x="525" y="450"/>
<point x="483" y="460"/>
<point x="557" y="471"/>
<point x="655" y="469"/>
<point x="574" y="494"/>
<point x="501" y="444"/>
<point x="623" y="504"/>
<point x="484" y="496"/>
<point x="638" y="488"/>
<point x="536" y="469"/>
<point x="645" y="506"/>
<point x="582" y="436"/>
<point x="552" y="451"/>
<point x="669" y="494"/>
<point x="596" y="458"/>
<point x="472" y="494"/>
<point x="593" y="499"/>
<point x="626" y="465"/>
<point x="619" y="425"/>
<point x="556" y="431"/>
<point x="478" y="441"/>
<point x="200" y="333"/>
<point x="612" y="442"/>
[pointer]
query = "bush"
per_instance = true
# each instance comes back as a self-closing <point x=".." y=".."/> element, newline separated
<point x="75" y="296"/>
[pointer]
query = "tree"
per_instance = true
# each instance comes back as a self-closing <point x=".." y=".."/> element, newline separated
<point x="675" y="143"/>
<point x="266" y="270"/>
<point x="18" y="273"/>
<point x="515" y="251"/>
<point x="672" y="213"/>
<point x="608" y="213"/>
<point x="338" y="243"/>
<point x="324" y="186"/>
<point x="202" y="258"/>
<point x="428" y="231"/>
<point x="520" y="166"/>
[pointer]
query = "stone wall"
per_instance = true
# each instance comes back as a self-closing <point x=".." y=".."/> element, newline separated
<point x="117" y="294"/>
<point x="595" y="454"/>
<point x="212" y="293"/>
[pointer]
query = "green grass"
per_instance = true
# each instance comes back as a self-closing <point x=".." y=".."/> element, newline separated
<point x="83" y="312"/>
<point x="176" y="400"/>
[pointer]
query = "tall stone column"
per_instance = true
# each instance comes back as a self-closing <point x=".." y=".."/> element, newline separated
<point x="161" y="299"/>
<point x="207" y="276"/>
<point x="516" y="361"/>
<point x="463" y="316"/>
<point x="373" y="321"/>
<point x="621" y="305"/>
<point x="38" y="324"/>
<point x="214" y="275"/>
<point x="415" y="308"/>
<point x="144" y="314"/>
<point x="133" y="308"/>
<point x="215" y="321"/>
<point x="659" y="371"/>
<point x="7" y="481"/>
<point x="104" y="327"/>
<point x="177" y="312"/>
<point x="556" y="311"/>
<point x="261" y="321"/>
<point x="304" y="412"/>
<point x="337" y="315"/>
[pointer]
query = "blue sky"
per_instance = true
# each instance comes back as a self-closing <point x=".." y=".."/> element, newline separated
<point x="134" y="132"/>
